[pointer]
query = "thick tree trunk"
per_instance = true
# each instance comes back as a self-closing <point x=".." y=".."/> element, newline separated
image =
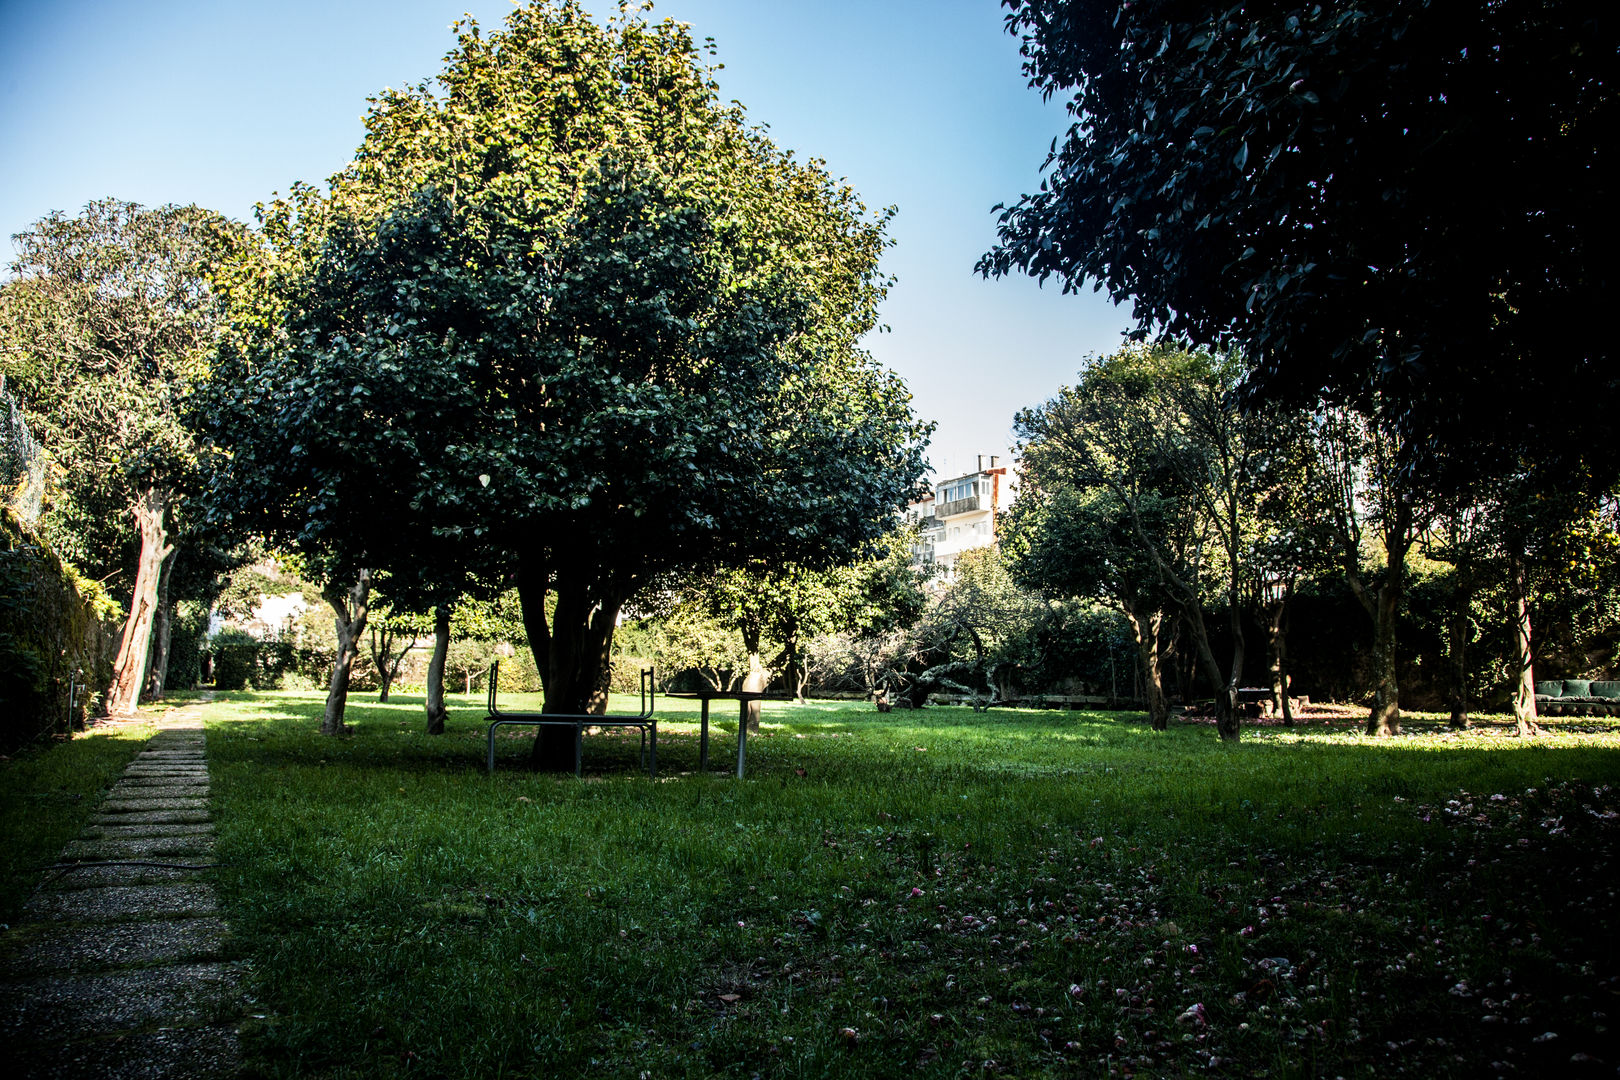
<point x="436" y="712"/>
<point x="1524" y="696"/>
<point x="134" y="651"/>
<point x="573" y="653"/>
<point x="351" y="608"/>
<point x="1145" y="629"/>
<point x="162" y="633"/>
<point x="1385" y="718"/>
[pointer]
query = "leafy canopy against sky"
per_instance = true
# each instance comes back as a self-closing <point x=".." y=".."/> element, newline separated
<point x="919" y="103"/>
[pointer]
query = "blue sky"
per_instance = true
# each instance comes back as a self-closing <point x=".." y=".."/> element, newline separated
<point x="918" y="103"/>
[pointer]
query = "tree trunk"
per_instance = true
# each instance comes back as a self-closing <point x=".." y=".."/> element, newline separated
<point x="1385" y="718"/>
<point x="386" y="659"/>
<point x="1461" y="601"/>
<point x="756" y="680"/>
<point x="573" y="653"/>
<point x="1227" y="721"/>
<point x="1276" y="644"/>
<point x="1384" y="605"/>
<point x="351" y="608"/>
<point x="162" y="633"/>
<point x="1145" y="629"/>
<point x="1524" y="697"/>
<point x="134" y="650"/>
<point x="436" y="712"/>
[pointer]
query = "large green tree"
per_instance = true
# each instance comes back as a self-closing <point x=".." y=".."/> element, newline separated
<point x="106" y="320"/>
<point x="1157" y="431"/>
<point x="1400" y="205"/>
<point x="570" y="309"/>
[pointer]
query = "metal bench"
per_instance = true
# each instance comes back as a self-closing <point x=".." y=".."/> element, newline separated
<point x="644" y="720"/>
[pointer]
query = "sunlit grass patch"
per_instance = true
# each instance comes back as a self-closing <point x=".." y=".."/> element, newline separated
<point x="1048" y="892"/>
<point x="47" y="792"/>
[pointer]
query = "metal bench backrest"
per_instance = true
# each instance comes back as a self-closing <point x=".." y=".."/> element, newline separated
<point x="649" y="690"/>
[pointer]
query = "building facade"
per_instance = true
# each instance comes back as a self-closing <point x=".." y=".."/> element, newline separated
<point x="960" y="515"/>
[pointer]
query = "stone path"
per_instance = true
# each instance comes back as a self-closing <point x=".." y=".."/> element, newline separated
<point x="119" y="968"/>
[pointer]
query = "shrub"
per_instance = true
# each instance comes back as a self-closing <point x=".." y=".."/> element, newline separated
<point x="236" y="656"/>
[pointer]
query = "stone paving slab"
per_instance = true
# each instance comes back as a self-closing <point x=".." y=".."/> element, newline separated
<point x="123" y="902"/>
<point x="154" y="817"/>
<point x="116" y="805"/>
<point x="185" y="789"/>
<point x="142" y="783"/>
<point x="50" y="1008"/>
<point x="117" y="970"/>
<point x="130" y="832"/>
<point x="138" y="848"/>
<point x="43" y="948"/>
<point x="96" y="875"/>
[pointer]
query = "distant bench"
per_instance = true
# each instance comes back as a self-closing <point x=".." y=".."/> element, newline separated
<point x="644" y="720"/>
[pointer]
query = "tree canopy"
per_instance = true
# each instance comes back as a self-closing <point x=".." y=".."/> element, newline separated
<point x="1395" y="205"/>
<point x="108" y="318"/>
<point x="568" y="311"/>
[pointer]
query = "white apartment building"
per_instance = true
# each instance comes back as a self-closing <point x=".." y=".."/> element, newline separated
<point x="960" y="515"/>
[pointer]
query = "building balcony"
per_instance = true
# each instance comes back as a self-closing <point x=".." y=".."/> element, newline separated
<point x="970" y="505"/>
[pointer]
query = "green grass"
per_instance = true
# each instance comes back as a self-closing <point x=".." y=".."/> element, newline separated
<point x="938" y="893"/>
<point x="47" y="792"/>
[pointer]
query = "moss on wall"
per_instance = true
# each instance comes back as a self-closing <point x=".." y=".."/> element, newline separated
<point x="56" y="626"/>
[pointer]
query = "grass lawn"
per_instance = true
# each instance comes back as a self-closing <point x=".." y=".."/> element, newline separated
<point x="939" y="893"/>
<point x="47" y="792"/>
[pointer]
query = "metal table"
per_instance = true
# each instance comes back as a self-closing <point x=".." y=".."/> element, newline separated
<point x="743" y="698"/>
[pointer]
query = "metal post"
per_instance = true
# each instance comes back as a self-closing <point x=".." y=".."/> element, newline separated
<point x="742" y="736"/>
<point x="703" y="739"/>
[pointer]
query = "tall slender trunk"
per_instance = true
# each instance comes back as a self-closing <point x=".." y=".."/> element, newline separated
<point x="1227" y="722"/>
<point x="351" y="607"/>
<point x="1383" y="604"/>
<point x="1145" y="629"/>
<point x="1524" y="696"/>
<point x="1461" y="601"/>
<point x="162" y="633"/>
<point x="134" y="651"/>
<point x="1277" y="649"/>
<point x="387" y="660"/>
<point x="436" y="711"/>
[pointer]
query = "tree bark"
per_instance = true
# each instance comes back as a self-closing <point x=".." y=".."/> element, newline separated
<point x="436" y="711"/>
<point x="1461" y="601"/>
<point x="1383" y="604"/>
<point x="386" y="659"/>
<point x="1145" y="629"/>
<point x="135" y="648"/>
<point x="1524" y="697"/>
<point x="573" y="654"/>
<point x="1277" y="647"/>
<point x="162" y="633"/>
<point x="351" y="607"/>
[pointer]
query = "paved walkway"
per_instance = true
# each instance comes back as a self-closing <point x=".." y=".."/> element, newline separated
<point x="119" y="968"/>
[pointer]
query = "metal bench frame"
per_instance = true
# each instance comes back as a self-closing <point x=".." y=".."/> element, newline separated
<point x="645" y="721"/>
